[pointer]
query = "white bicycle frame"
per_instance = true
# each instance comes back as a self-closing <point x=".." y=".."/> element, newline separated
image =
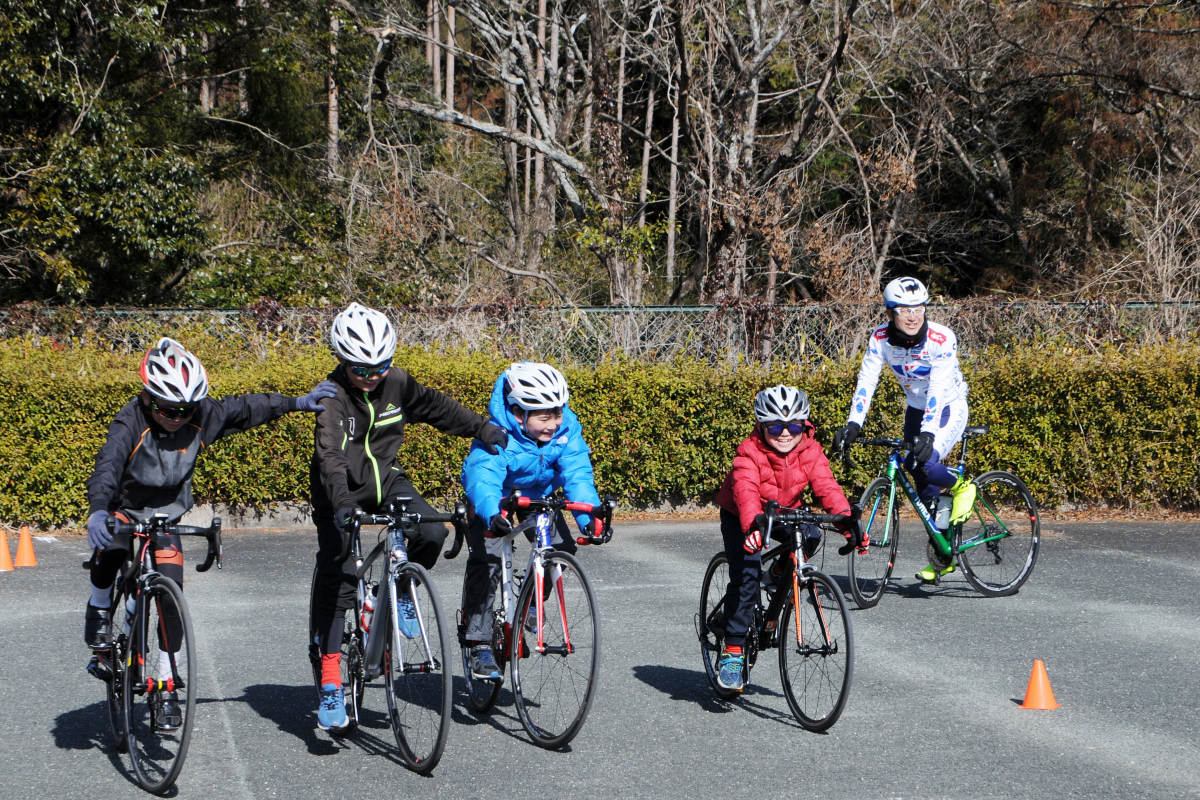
<point x="535" y="569"/>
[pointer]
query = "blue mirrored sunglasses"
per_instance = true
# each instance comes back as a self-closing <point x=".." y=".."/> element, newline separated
<point x="368" y="372"/>
<point x="777" y="428"/>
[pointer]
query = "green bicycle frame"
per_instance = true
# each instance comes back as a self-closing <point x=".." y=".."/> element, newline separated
<point x="943" y="541"/>
<point x="895" y="473"/>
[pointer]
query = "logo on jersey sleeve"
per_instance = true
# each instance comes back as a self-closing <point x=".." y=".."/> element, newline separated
<point x="935" y="336"/>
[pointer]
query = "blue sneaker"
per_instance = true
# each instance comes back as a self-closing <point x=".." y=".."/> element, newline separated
<point x="406" y="616"/>
<point x="729" y="672"/>
<point x="531" y="619"/>
<point x="331" y="713"/>
<point x="483" y="663"/>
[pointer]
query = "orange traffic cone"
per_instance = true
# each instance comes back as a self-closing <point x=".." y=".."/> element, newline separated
<point x="6" y="564"/>
<point x="25" y="557"/>
<point x="1039" y="694"/>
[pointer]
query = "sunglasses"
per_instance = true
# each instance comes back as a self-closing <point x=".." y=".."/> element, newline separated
<point x="368" y="372"/>
<point x="777" y="428"/>
<point x="173" y="412"/>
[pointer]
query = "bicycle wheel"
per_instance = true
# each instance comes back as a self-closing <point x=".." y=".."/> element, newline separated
<point x="816" y="653"/>
<point x="118" y="643"/>
<point x="554" y="670"/>
<point x="416" y="671"/>
<point x="869" y="571"/>
<point x="481" y="694"/>
<point x="998" y="543"/>
<point x="159" y="685"/>
<point x="710" y="624"/>
<point x="351" y="664"/>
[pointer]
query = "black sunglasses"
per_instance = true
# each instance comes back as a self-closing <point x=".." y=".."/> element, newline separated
<point x="368" y="372"/>
<point x="174" y="412"/>
<point x="777" y="428"/>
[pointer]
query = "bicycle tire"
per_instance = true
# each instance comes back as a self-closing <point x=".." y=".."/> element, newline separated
<point x="351" y="662"/>
<point x="553" y="689"/>
<point x="1004" y="507"/>
<point x="869" y="572"/>
<point x="816" y="670"/>
<point x="114" y="698"/>
<point x="482" y="694"/>
<point x="416" y="673"/>
<point x="710" y="622"/>
<point x="158" y="753"/>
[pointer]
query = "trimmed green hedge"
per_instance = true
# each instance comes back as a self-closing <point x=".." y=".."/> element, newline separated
<point x="1115" y="428"/>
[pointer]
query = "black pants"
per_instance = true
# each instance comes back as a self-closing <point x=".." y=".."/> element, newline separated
<point x="745" y="571"/>
<point x="483" y="572"/>
<point x="335" y="581"/>
<point x="168" y="560"/>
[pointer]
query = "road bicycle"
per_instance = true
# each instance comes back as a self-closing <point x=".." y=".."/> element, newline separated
<point x="544" y="625"/>
<point x="996" y="546"/>
<point x="801" y="612"/>
<point x="150" y="653"/>
<point x="411" y="653"/>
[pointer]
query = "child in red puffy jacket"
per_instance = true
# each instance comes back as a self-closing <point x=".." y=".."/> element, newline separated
<point x="777" y="462"/>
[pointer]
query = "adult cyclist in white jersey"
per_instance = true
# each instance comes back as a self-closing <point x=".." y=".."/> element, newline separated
<point x="923" y="356"/>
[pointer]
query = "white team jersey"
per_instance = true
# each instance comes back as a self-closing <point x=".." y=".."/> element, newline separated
<point x="928" y="372"/>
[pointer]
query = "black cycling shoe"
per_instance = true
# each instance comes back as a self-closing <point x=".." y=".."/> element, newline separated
<point x="169" y="715"/>
<point x="97" y="624"/>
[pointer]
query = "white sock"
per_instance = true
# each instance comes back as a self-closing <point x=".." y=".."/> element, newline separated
<point x="164" y="665"/>
<point x="101" y="598"/>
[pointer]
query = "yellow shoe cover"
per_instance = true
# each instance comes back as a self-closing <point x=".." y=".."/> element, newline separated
<point x="963" y="492"/>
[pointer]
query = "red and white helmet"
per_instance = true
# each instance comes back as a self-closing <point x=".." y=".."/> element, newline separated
<point x="362" y="335"/>
<point x="780" y="404"/>
<point x="905" y="292"/>
<point x="172" y="374"/>
<point x="535" y="387"/>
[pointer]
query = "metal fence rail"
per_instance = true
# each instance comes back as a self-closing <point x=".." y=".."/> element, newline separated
<point x="714" y="334"/>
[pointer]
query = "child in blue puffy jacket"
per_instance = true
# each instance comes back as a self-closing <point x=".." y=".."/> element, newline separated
<point x="545" y="452"/>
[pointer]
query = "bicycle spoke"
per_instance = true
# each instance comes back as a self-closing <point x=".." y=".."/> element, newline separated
<point x="157" y="684"/>
<point x="816" y="660"/>
<point x="554" y="681"/>
<point x="869" y="572"/>
<point x="418" y="682"/>
<point x="998" y="544"/>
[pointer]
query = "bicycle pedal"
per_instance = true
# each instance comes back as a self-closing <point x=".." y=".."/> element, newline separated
<point x="100" y="668"/>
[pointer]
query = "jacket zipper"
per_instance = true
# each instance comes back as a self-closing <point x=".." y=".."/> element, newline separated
<point x="367" y="448"/>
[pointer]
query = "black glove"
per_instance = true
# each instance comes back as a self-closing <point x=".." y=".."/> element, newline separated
<point x="500" y="525"/>
<point x="922" y="448"/>
<point x="345" y="515"/>
<point x="493" y="438"/>
<point x="846" y="436"/>
<point x="854" y="536"/>
<point x="594" y="533"/>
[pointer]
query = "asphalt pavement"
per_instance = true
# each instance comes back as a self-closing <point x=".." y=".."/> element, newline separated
<point x="933" y="712"/>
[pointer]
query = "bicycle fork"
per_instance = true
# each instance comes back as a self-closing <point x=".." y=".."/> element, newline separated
<point x="538" y="567"/>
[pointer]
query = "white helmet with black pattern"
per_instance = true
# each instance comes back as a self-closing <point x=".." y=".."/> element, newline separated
<point x="780" y="404"/>
<point x="535" y="387"/>
<point x="171" y="374"/>
<point x="362" y="335"/>
<point x="905" y="292"/>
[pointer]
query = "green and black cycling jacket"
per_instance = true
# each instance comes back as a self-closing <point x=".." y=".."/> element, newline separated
<point x="358" y="434"/>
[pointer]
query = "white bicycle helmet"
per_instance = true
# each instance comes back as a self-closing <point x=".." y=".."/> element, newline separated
<point x="362" y="335"/>
<point x="780" y="404"/>
<point x="905" y="292"/>
<point x="535" y="387"/>
<point x="171" y="374"/>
